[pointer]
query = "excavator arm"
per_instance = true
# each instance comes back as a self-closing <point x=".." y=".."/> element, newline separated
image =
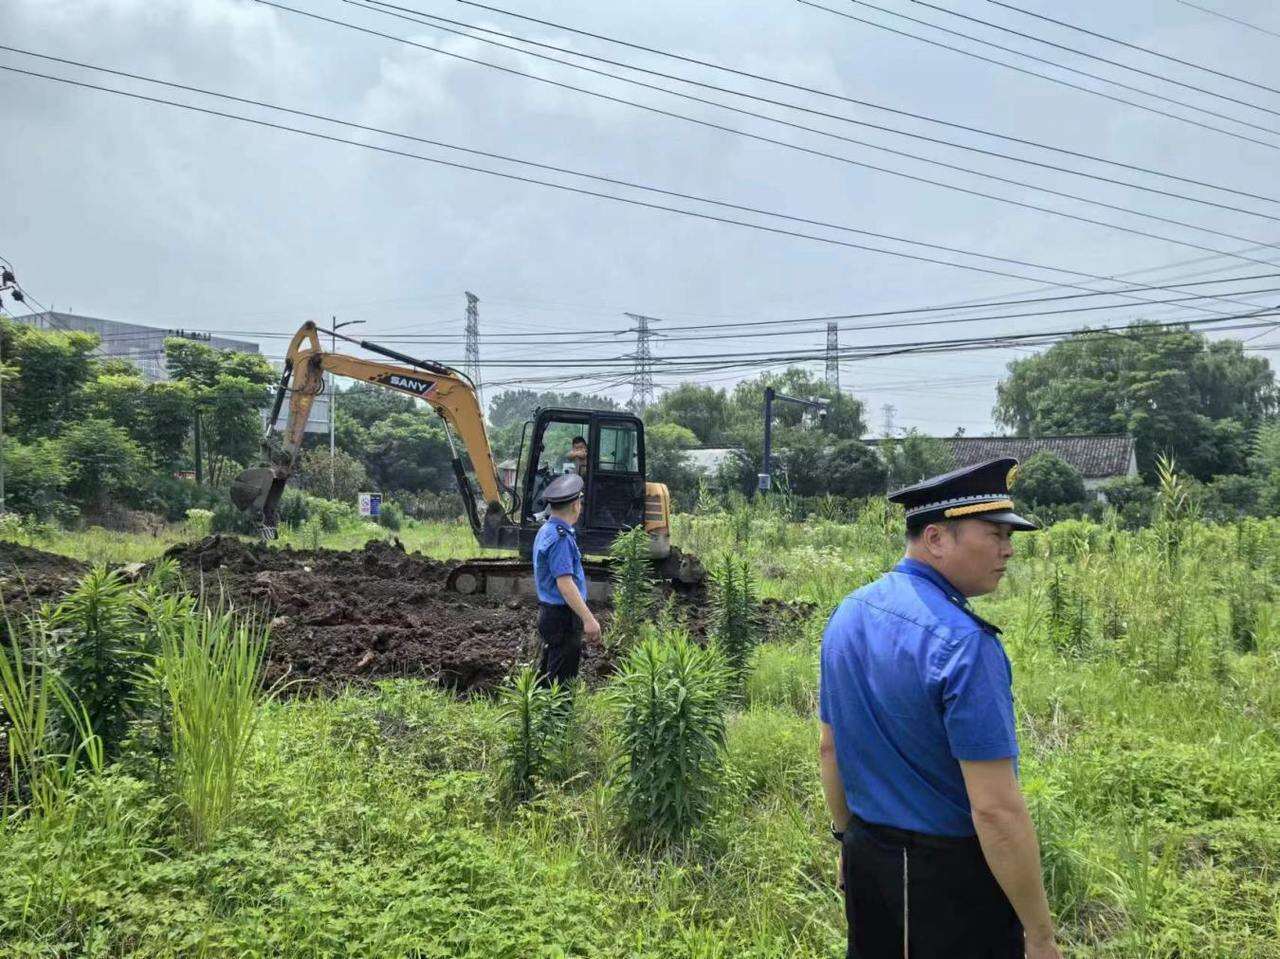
<point x="446" y="390"/>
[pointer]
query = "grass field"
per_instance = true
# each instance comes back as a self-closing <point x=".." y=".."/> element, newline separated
<point x="1147" y="678"/>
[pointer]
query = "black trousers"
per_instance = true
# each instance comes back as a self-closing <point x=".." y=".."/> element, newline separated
<point x="561" y="632"/>
<point x="923" y="897"/>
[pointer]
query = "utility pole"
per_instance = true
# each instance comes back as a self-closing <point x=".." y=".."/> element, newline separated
<point x="771" y="396"/>
<point x="7" y="282"/>
<point x="833" y="356"/>
<point x="472" y="364"/>
<point x="333" y="401"/>
<point x="642" y="376"/>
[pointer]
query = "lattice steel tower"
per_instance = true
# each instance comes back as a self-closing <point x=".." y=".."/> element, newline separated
<point x="642" y="377"/>
<point x="833" y="356"/>
<point x="471" y="365"/>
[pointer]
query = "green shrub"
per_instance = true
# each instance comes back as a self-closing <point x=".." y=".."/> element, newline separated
<point x="536" y="717"/>
<point x="733" y="601"/>
<point x="100" y="654"/>
<point x="200" y="522"/>
<point x="228" y="519"/>
<point x="391" y="516"/>
<point x="632" y="589"/>
<point x="669" y="693"/>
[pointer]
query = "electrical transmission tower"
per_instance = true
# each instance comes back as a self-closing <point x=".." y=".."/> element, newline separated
<point x="642" y="378"/>
<point x="888" y="409"/>
<point x="471" y="366"/>
<point x="833" y="356"/>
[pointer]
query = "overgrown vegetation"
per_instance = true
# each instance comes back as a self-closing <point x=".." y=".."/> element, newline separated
<point x="664" y="819"/>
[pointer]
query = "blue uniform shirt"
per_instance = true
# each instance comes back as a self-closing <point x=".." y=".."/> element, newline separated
<point x="555" y="553"/>
<point x="911" y="682"/>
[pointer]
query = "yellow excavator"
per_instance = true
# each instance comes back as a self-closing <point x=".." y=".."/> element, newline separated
<point x="618" y="497"/>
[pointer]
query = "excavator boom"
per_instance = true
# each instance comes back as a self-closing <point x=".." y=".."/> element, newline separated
<point x="446" y="390"/>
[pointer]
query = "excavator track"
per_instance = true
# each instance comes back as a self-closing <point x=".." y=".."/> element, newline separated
<point x="503" y="577"/>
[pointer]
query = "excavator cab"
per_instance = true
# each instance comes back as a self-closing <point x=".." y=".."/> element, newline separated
<point x="615" y="494"/>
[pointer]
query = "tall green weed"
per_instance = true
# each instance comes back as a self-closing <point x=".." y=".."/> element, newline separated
<point x="210" y="669"/>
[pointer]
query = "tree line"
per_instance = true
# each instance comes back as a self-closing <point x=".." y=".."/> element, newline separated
<point x="86" y="435"/>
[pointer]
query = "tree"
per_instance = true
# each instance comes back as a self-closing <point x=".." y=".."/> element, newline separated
<point x="52" y="370"/>
<point x="103" y="463"/>
<point x="915" y="457"/>
<point x="1048" y="480"/>
<point x="1264" y="464"/>
<point x="367" y="404"/>
<point x="665" y="461"/>
<point x="854" y="470"/>
<point x="231" y="424"/>
<point x="408" y="452"/>
<point x="35" y="476"/>
<point x="168" y="413"/>
<point x="118" y="398"/>
<point x="229" y="391"/>
<point x="517" y="406"/>
<point x="1174" y="391"/>
<point x="348" y="475"/>
<point x="704" y="410"/>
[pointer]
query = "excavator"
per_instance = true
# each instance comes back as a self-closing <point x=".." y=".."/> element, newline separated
<point x="618" y="496"/>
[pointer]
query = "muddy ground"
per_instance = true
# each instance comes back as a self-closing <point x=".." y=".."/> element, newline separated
<point x="342" y="617"/>
<point x="29" y="577"/>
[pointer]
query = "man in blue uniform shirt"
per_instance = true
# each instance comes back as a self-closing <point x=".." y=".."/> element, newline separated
<point x="563" y="615"/>
<point x="919" y="749"/>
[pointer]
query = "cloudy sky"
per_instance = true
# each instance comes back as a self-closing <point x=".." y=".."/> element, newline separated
<point x="139" y="211"/>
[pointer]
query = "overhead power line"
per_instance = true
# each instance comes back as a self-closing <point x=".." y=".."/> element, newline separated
<point x="609" y="335"/>
<point x="1044" y="76"/>
<point x="1109" y="62"/>
<point x="533" y="181"/>
<point x="1140" y="49"/>
<point x="1224" y="16"/>
<point x="615" y="181"/>
<point x="1112" y="63"/>
<point x="598" y="194"/>
<point x="891" y="171"/>
<point x="846" y="99"/>
<point x="821" y="113"/>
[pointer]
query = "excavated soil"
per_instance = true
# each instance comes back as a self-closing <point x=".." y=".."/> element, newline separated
<point x="351" y="617"/>
<point x="379" y="612"/>
<point x="29" y="577"/>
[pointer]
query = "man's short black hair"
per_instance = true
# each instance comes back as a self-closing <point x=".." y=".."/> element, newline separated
<point x="914" y="529"/>
<point x="578" y="439"/>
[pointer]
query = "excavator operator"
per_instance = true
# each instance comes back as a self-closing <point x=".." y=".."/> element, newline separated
<point x="578" y="453"/>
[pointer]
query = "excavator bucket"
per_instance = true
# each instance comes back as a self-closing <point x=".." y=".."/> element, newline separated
<point x="250" y="489"/>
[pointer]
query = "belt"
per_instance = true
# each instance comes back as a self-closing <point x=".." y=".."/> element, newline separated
<point x="910" y="839"/>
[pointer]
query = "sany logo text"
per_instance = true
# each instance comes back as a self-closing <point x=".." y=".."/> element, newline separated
<point x="410" y="383"/>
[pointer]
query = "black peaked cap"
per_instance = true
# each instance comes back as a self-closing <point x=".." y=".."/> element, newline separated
<point x="975" y="492"/>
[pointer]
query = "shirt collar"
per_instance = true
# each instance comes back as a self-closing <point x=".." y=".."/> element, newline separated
<point x="913" y="567"/>
<point x="557" y="521"/>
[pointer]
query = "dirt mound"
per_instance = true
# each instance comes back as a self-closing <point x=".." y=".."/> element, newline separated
<point x="379" y="612"/>
<point x="29" y="577"/>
